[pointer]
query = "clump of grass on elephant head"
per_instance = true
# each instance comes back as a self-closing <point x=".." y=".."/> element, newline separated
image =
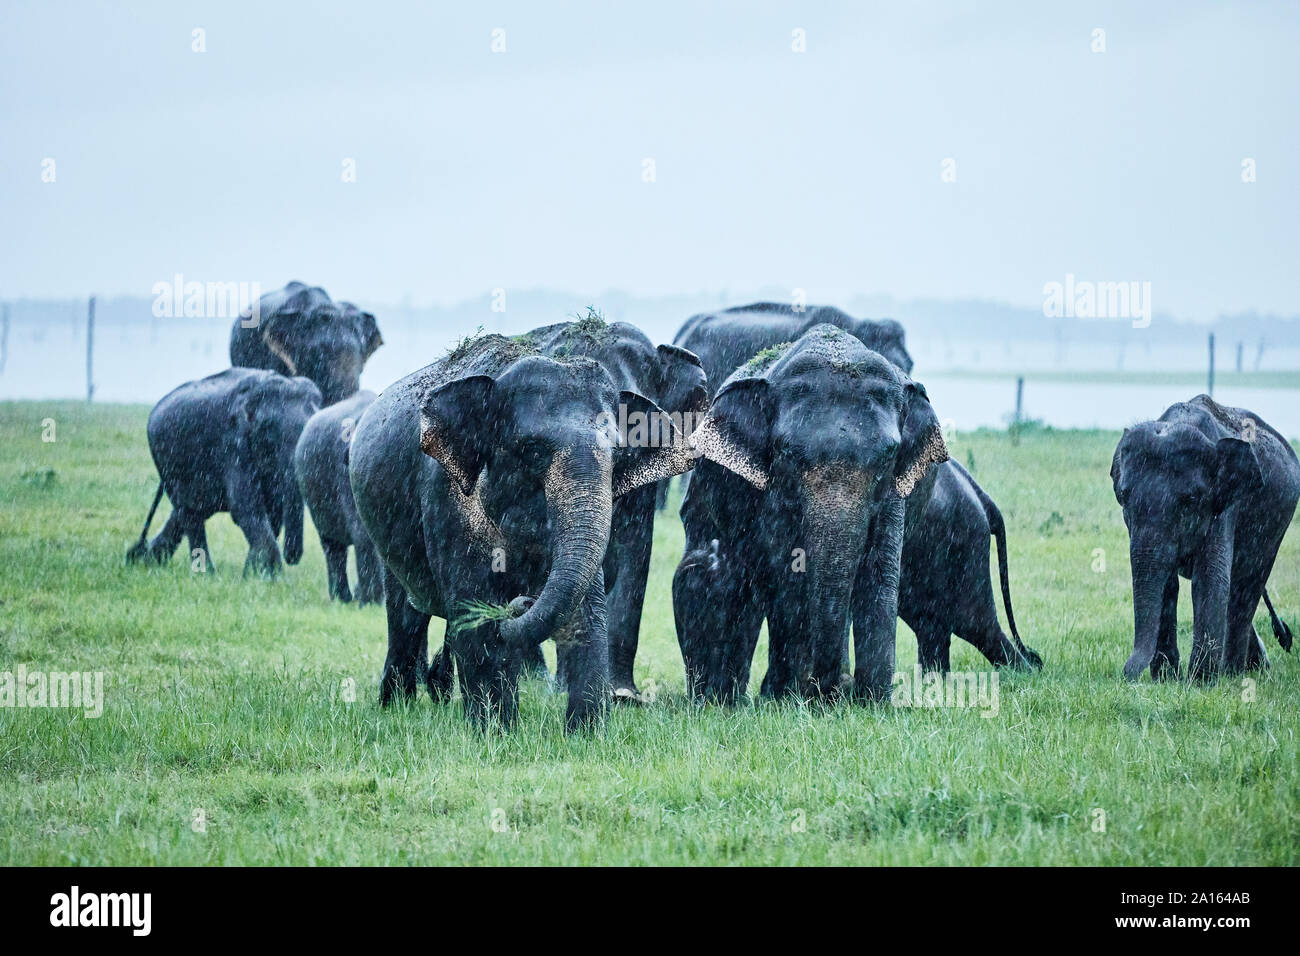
<point x="591" y="326"/>
<point x="765" y="357"/>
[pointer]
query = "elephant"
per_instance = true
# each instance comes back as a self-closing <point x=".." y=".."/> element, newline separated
<point x="796" y="514"/>
<point x="298" y="330"/>
<point x="487" y="481"/>
<point x="1207" y="492"/>
<point x="226" y="443"/>
<point x="672" y="378"/>
<point x="945" y="584"/>
<point x="944" y="580"/>
<point x="321" y="463"/>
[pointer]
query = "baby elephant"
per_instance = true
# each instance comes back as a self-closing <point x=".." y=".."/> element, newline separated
<point x="226" y="443"/>
<point x="322" y="465"/>
<point x="1207" y="492"/>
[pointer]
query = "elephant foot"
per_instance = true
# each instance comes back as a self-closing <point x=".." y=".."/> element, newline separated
<point x="440" y="676"/>
<point x="267" y="568"/>
<point x="396" y="685"/>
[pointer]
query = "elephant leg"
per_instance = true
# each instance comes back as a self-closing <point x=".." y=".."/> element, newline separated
<point x="789" y="650"/>
<point x="166" y="541"/>
<point x="370" y="574"/>
<point x="589" y="686"/>
<point x="1242" y="640"/>
<point x="197" y="535"/>
<point x="631" y="538"/>
<point x="1211" y="587"/>
<point x="405" y="667"/>
<point x="248" y="511"/>
<point x="933" y="643"/>
<point x="718" y="620"/>
<point x="1164" y="666"/>
<point x="336" y="568"/>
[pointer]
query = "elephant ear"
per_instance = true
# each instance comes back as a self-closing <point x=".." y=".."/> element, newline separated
<point x="922" y="441"/>
<point x="1238" y="472"/>
<point x="367" y="329"/>
<point x="649" y="447"/>
<point x="278" y="334"/>
<point x="684" y="387"/>
<point x="737" y="432"/>
<point x="1117" y="470"/>
<point x="457" y="421"/>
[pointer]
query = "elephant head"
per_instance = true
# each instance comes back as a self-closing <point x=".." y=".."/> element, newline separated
<point x="832" y="433"/>
<point x="683" y="386"/>
<point x="268" y="418"/>
<point x="1176" y="486"/>
<point x="546" y="431"/>
<point x="325" y="341"/>
<point x="885" y="336"/>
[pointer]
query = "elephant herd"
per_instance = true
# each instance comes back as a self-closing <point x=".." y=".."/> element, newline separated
<point x="510" y="488"/>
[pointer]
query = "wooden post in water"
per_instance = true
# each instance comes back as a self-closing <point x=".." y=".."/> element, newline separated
<point x="90" y="352"/>
<point x="1210" y="390"/>
<point x="1240" y="348"/>
<point x="1020" y="406"/>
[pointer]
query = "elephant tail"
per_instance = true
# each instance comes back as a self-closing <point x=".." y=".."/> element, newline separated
<point x="141" y="547"/>
<point x="998" y="528"/>
<point x="1280" y="630"/>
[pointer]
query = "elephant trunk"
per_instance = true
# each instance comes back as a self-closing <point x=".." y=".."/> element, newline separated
<point x="1152" y="563"/>
<point x="579" y="504"/>
<point x="835" y="523"/>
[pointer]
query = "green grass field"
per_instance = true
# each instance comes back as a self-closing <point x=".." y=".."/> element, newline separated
<point x="229" y="697"/>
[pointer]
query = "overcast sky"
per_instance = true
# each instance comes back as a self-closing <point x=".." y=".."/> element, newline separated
<point x="818" y="170"/>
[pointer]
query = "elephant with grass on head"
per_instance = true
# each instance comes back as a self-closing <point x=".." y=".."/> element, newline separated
<point x="226" y="443"/>
<point x="673" y="379"/>
<point x="487" y="481"/>
<point x="299" y="330"/>
<point x="795" y="515"/>
<point x="1208" y="492"/>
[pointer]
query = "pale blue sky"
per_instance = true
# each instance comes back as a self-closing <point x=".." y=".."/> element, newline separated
<point x="818" y="170"/>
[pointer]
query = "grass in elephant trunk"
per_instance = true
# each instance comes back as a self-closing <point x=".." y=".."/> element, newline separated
<point x="240" y="720"/>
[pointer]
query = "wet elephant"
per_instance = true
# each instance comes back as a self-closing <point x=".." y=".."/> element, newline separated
<point x="321" y="463"/>
<point x="795" y="516"/>
<point x="1207" y="492"/>
<point x="487" y="481"/>
<point x="226" y="443"/>
<point x="299" y="330"/>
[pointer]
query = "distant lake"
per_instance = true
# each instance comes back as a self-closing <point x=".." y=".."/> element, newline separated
<point x="142" y="361"/>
